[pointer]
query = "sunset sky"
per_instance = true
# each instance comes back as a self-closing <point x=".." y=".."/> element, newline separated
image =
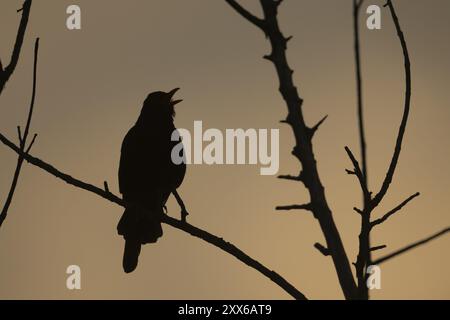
<point x="91" y="86"/>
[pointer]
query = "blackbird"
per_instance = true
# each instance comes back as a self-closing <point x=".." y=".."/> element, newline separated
<point x="147" y="174"/>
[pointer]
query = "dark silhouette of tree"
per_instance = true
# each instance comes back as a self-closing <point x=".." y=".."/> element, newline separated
<point x="6" y="72"/>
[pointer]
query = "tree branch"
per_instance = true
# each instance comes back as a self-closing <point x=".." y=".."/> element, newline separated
<point x="364" y="254"/>
<point x="313" y="130"/>
<point x="295" y="207"/>
<point x="246" y="14"/>
<point x="359" y="174"/>
<point x="290" y="177"/>
<point x="183" y="226"/>
<point x="23" y="141"/>
<point x="410" y="247"/>
<point x="393" y="211"/>
<point x="362" y="136"/>
<point x="401" y="132"/>
<point x="5" y="73"/>
<point x="322" y="249"/>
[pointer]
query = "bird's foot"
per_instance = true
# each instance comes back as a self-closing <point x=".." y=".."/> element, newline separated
<point x="184" y="214"/>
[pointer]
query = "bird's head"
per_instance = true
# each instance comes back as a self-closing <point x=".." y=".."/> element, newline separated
<point x="159" y="106"/>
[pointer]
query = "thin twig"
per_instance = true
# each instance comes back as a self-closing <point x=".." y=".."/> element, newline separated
<point x="362" y="136"/>
<point x="295" y="207"/>
<point x="245" y="13"/>
<point x="23" y="141"/>
<point x="6" y="72"/>
<point x="359" y="174"/>
<point x="322" y="249"/>
<point x="393" y="211"/>
<point x="401" y="132"/>
<point x="364" y="253"/>
<point x="410" y="247"/>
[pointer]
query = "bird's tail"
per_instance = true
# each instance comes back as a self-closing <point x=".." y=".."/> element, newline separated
<point x="137" y="229"/>
<point x="131" y="254"/>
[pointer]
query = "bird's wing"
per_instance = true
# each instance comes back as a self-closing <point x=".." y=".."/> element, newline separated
<point x="129" y="162"/>
<point x="146" y="163"/>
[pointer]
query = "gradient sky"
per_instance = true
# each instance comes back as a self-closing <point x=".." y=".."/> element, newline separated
<point x="91" y="85"/>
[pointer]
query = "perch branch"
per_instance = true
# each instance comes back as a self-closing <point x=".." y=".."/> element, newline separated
<point x="183" y="226"/>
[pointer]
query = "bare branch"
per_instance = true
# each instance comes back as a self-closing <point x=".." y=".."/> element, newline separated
<point x="401" y="132"/>
<point x="359" y="174"/>
<point x="246" y="14"/>
<point x="307" y="206"/>
<point x="31" y="143"/>
<point x="393" y="211"/>
<point x="410" y="247"/>
<point x="6" y="73"/>
<point x="362" y="136"/>
<point x="378" y="247"/>
<point x="19" y="134"/>
<point x="181" y="225"/>
<point x="364" y="255"/>
<point x="303" y="149"/>
<point x="322" y="249"/>
<point x="23" y="141"/>
<point x="290" y="177"/>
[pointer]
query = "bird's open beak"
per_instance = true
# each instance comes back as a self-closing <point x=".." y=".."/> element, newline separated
<point x="174" y="102"/>
<point x="171" y="94"/>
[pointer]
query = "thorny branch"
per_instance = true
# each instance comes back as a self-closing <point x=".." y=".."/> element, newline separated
<point x="303" y="149"/>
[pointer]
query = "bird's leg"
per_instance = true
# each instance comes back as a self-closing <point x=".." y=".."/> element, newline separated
<point x="184" y="212"/>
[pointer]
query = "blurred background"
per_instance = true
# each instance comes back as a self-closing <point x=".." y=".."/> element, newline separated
<point x="91" y="85"/>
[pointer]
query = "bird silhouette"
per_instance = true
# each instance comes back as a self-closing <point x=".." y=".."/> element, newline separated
<point x="147" y="174"/>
